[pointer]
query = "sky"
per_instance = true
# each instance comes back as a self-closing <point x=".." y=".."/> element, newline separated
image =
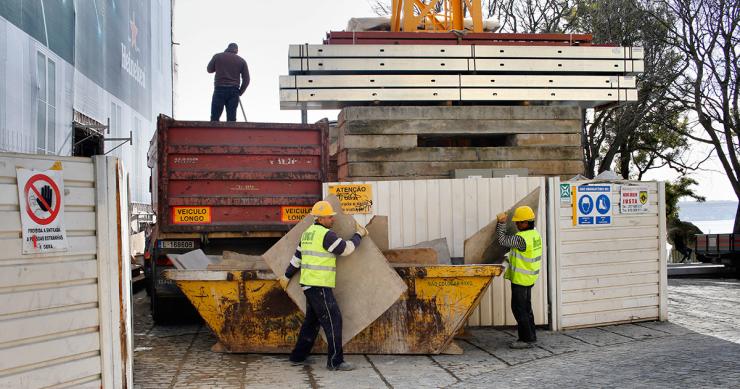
<point x="264" y="30"/>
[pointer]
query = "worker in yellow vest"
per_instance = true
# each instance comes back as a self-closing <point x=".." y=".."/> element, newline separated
<point x="316" y="259"/>
<point x="524" y="267"/>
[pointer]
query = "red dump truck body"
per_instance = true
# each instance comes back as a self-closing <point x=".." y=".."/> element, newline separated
<point x="235" y="177"/>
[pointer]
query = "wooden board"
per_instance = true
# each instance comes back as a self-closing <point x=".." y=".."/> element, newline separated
<point x="440" y="247"/>
<point x="366" y="285"/>
<point x="454" y="154"/>
<point x="483" y="246"/>
<point x="416" y="169"/>
<point x="235" y="261"/>
<point x="460" y="126"/>
<point x="377" y="230"/>
<point x="417" y="256"/>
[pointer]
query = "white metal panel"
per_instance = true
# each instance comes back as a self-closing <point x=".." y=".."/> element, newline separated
<point x="546" y="81"/>
<point x="599" y="96"/>
<point x="50" y="318"/>
<point x="455" y="209"/>
<point x="376" y="80"/>
<point x="608" y="274"/>
<point x="321" y="51"/>
<point x="426" y="94"/>
<point x="558" y="65"/>
<point x="580" y="52"/>
<point x="379" y="64"/>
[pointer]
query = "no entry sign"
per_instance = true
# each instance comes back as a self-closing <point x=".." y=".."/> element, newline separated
<point x="41" y="199"/>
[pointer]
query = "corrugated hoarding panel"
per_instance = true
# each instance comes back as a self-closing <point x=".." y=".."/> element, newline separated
<point x="60" y="309"/>
<point x="455" y="209"/>
<point x="611" y="273"/>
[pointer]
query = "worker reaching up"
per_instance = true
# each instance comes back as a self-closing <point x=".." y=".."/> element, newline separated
<point x="229" y="67"/>
<point x="524" y="267"/>
<point x="316" y="259"/>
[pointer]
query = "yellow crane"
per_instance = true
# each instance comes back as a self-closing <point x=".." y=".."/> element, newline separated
<point x="435" y="15"/>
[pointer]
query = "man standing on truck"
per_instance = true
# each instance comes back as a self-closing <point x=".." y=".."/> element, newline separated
<point x="524" y="266"/>
<point x="228" y="67"/>
<point x="316" y="258"/>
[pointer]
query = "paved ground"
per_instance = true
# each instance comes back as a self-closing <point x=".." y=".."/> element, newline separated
<point x="699" y="347"/>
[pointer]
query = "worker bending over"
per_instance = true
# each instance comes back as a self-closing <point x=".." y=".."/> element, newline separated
<point x="316" y="258"/>
<point x="524" y="267"/>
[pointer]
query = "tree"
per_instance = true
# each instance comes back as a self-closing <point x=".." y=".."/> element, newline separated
<point x="707" y="37"/>
<point x="674" y="192"/>
<point x="638" y="136"/>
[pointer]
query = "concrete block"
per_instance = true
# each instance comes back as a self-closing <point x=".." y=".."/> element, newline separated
<point x="477" y="173"/>
<point x="377" y="141"/>
<point x="548" y="140"/>
<point x="444" y="169"/>
<point x="459" y="154"/>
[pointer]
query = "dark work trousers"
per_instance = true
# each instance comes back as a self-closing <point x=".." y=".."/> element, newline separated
<point x="224" y="96"/>
<point x="521" y="306"/>
<point x="321" y="310"/>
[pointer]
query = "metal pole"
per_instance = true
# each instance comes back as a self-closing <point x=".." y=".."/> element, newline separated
<point x="242" y="107"/>
<point x="304" y="116"/>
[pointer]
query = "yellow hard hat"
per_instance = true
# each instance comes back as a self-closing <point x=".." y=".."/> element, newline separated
<point x="522" y="214"/>
<point x="322" y="208"/>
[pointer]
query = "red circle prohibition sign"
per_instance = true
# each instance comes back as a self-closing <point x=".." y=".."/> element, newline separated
<point x="55" y="190"/>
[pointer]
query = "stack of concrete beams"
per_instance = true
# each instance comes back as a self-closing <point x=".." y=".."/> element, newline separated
<point x="427" y="142"/>
<point x="340" y="75"/>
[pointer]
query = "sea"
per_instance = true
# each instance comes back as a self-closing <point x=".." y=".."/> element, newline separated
<point x="712" y="217"/>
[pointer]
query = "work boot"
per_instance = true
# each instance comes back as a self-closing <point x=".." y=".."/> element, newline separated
<point x="344" y="366"/>
<point x="519" y="345"/>
<point x="307" y="361"/>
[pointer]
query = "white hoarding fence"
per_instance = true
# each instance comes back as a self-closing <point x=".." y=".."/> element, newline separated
<point x="65" y="312"/>
<point x="607" y="273"/>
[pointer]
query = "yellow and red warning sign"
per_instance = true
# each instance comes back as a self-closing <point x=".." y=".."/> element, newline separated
<point x="293" y="213"/>
<point x="191" y="215"/>
<point x="41" y="199"/>
<point x="355" y="198"/>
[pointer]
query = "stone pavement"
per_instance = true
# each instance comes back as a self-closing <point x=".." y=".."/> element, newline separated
<point x="699" y="347"/>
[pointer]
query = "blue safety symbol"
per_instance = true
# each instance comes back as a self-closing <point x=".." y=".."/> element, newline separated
<point x="603" y="204"/>
<point x="586" y="204"/>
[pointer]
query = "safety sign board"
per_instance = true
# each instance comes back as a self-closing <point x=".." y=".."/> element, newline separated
<point x="191" y="215"/>
<point x="634" y="199"/>
<point x="565" y="197"/>
<point x="592" y="205"/>
<point x="293" y="214"/>
<point x="355" y="198"/>
<point x="41" y="199"/>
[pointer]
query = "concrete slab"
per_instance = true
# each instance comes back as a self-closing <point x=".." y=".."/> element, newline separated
<point x="412" y="371"/>
<point x="634" y="331"/>
<point x="597" y="336"/>
<point x="557" y="343"/>
<point x="665" y="326"/>
<point x="497" y="343"/>
<point x="483" y="246"/>
<point x="192" y="260"/>
<point x="366" y="284"/>
<point x="364" y="375"/>
<point x="474" y="361"/>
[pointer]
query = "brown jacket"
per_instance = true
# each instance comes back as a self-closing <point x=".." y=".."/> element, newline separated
<point x="228" y="67"/>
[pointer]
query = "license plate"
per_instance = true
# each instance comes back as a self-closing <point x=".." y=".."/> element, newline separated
<point x="176" y="244"/>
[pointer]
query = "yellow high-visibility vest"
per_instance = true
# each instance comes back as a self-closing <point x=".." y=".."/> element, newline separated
<point x="524" y="266"/>
<point x="318" y="266"/>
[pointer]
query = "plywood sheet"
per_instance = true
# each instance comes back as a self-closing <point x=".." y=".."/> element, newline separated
<point x="440" y="247"/>
<point x="483" y="246"/>
<point x="417" y="256"/>
<point x="366" y="284"/>
<point x="377" y="230"/>
<point x="235" y="261"/>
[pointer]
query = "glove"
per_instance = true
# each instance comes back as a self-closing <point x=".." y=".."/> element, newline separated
<point x="362" y="231"/>
<point x="283" y="280"/>
<point x="501" y="217"/>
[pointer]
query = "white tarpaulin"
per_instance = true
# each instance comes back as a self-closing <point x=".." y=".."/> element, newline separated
<point x="41" y="200"/>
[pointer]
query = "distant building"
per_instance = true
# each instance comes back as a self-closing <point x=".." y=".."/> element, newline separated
<point x="69" y="67"/>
